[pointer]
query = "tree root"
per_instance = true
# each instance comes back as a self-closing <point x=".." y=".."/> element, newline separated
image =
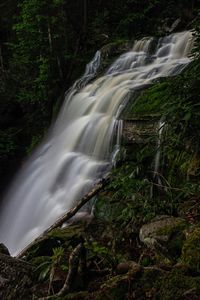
<point x="77" y="255"/>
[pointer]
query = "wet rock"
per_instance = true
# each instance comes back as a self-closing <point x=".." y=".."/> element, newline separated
<point x="112" y="49"/>
<point x="139" y="130"/>
<point x="16" y="278"/>
<point x="4" y="249"/>
<point x="165" y="235"/>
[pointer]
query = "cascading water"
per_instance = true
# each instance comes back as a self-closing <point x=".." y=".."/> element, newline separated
<point x="80" y="148"/>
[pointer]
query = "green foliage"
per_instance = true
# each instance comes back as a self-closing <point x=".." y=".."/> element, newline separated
<point x="42" y="266"/>
<point x="34" y="48"/>
<point x="97" y="249"/>
<point x="45" y="264"/>
<point x="153" y="100"/>
<point x="8" y="144"/>
<point x="101" y="254"/>
<point x="58" y="252"/>
<point x="191" y="250"/>
<point x="133" y="195"/>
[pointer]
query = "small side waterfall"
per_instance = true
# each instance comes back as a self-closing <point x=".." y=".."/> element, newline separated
<point x="80" y="147"/>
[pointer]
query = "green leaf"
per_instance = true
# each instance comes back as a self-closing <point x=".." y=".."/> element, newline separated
<point x="44" y="273"/>
<point x="187" y="116"/>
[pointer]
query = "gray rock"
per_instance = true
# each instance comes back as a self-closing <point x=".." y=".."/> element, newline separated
<point x="164" y="235"/>
<point x="16" y="278"/>
<point x="4" y="249"/>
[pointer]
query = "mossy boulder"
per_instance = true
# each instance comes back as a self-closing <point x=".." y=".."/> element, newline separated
<point x="149" y="101"/>
<point x="165" y="235"/>
<point x="191" y="249"/>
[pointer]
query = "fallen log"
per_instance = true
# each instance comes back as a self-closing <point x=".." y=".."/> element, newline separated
<point x="64" y="218"/>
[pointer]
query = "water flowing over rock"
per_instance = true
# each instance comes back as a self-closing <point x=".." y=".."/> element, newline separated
<point x="83" y="142"/>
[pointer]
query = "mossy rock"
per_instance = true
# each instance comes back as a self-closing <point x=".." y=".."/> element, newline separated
<point x="191" y="249"/>
<point x="119" y="287"/>
<point x="68" y="233"/>
<point x="71" y="235"/>
<point x="165" y="235"/>
<point x="156" y="283"/>
<point x="149" y="101"/>
<point x="178" y="285"/>
<point x="110" y="52"/>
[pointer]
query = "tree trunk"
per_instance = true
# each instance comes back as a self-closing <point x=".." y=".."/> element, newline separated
<point x="49" y="36"/>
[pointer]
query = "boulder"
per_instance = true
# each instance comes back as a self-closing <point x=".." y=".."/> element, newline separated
<point x="128" y="266"/>
<point x="4" y="249"/>
<point x="16" y="278"/>
<point x="165" y="235"/>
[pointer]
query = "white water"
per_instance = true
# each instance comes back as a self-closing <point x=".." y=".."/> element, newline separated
<point x="79" y="149"/>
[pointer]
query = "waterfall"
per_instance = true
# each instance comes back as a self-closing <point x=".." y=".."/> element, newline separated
<point x="81" y="145"/>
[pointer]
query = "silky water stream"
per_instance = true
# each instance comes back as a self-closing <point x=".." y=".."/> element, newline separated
<point x="82" y="145"/>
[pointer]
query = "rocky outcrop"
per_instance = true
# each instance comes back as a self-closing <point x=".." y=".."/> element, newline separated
<point x="16" y="277"/>
<point x="140" y="130"/>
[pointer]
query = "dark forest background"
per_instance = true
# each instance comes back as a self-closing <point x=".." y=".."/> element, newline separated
<point x="44" y="46"/>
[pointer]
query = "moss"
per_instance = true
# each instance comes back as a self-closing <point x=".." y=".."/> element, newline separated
<point x="145" y="285"/>
<point x="194" y="166"/>
<point x="176" y="238"/>
<point x="150" y="101"/>
<point x="191" y="250"/>
<point x="70" y="235"/>
<point x="117" y="287"/>
<point x="150" y="276"/>
<point x="67" y="233"/>
<point x="178" y="226"/>
<point x="174" y="284"/>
